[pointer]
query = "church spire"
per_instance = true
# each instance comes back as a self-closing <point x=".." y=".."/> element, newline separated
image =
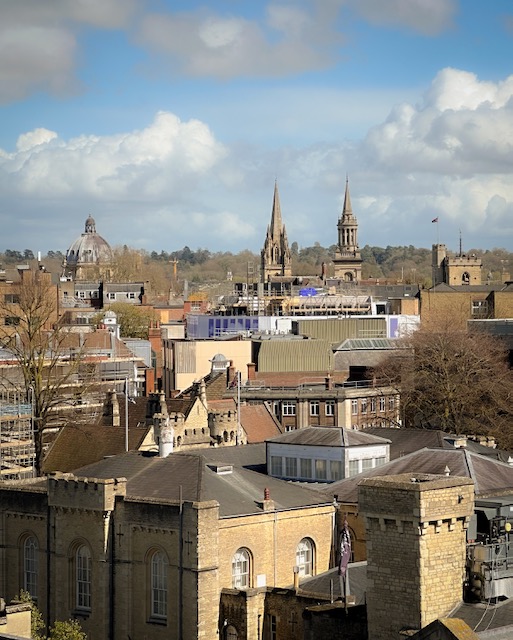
<point x="276" y="222"/>
<point x="276" y="256"/>
<point x="347" y="209"/>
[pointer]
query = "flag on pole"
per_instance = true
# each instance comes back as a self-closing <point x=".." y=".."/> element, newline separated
<point x="434" y="220"/>
<point x="345" y="550"/>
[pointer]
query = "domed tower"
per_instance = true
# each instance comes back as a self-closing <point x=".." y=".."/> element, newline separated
<point x="89" y="257"/>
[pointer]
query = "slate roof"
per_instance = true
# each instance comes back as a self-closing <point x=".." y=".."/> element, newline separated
<point x="295" y="379"/>
<point x="324" y="584"/>
<point x="405" y="441"/>
<point x="239" y="492"/>
<point x="329" y="437"/>
<point x="491" y="477"/>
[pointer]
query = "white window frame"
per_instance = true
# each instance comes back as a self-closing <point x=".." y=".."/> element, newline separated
<point x="329" y="408"/>
<point x="83" y="575"/>
<point x="315" y="408"/>
<point x="30" y="566"/>
<point x="288" y="408"/>
<point x="241" y="565"/>
<point x="354" y="407"/>
<point x="305" y="557"/>
<point x="159" y="571"/>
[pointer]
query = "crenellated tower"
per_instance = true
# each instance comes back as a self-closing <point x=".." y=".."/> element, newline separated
<point x="276" y="256"/>
<point x="348" y="260"/>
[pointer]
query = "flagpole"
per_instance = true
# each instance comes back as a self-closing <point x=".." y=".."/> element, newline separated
<point x="126" y="414"/>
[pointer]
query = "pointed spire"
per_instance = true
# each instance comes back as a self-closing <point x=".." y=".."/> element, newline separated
<point x="347" y="200"/>
<point x="276" y="223"/>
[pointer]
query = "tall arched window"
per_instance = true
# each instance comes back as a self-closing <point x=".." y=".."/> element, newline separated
<point x="158" y="571"/>
<point x="305" y="557"/>
<point x="83" y="571"/>
<point x="241" y="569"/>
<point x="30" y="568"/>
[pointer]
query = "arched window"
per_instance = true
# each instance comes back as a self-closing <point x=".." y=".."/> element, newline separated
<point x="241" y="569"/>
<point x="305" y="557"/>
<point x="83" y="570"/>
<point x="30" y="553"/>
<point x="158" y="571"/>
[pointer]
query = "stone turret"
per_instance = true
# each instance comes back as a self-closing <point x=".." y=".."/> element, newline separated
<point x="416" y="547"/>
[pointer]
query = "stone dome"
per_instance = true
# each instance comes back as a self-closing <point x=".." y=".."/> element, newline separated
<point x="89" y="248"/>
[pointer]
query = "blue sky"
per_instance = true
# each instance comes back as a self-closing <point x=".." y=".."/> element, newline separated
<point x="169" y="121"/>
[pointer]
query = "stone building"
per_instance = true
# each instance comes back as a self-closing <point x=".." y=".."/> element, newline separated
<point x="416" y="548"/>
<point x="89" y="256"/>
<point x="461" y="269"/>
<point x="275" y="255"/>
<point x="142" y="546"/>
<point x="348" y="260"/>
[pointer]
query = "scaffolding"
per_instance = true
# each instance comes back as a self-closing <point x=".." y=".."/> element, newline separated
<point x="17" y="452"/>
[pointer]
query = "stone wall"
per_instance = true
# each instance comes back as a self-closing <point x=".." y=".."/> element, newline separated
<point x="416" y="542"/>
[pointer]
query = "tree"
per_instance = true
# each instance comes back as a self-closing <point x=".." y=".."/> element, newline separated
<point x="47" y="357"/>
<point x="61" y="630"/>
<point x="454" y="380"/>
<point x="133" y="321"/>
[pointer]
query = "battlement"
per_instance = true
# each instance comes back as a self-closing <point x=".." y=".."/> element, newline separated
<point x="97" y="494"/>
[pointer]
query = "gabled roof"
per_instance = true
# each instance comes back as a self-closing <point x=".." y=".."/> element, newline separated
<point x="194" y="478"/>
<point x="328" y="437"/>
<point x="491" y="477"/>
<point x="258" y="422"/>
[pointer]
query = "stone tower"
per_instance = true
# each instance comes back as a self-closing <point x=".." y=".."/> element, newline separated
<point x="275" y="256"/>
<point x="416" y="546"/>
<point x="461" y="269"/>
<point x="347" y="260"/>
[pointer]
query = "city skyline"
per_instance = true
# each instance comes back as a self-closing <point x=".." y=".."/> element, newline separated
<point x="169" y="122"/>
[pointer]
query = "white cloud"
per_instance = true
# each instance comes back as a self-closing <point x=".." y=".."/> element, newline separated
<point x="38" y="46"/>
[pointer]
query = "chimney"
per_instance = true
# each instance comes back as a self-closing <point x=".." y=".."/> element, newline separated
<point x="111" y="409"/>
<point x="164" y="434"/>
<point x="328" y="382"/>
<point x="251" y="371"/>
<point x="267" y="504"/>
<point x="230" y="373"/>
<point x="296" y="578"/>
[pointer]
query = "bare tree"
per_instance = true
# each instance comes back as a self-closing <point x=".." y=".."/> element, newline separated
<point x="454" y="380"/>
<point x="46" y="357"/>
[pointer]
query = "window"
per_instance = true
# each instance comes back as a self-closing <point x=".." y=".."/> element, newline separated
<point x="354" y="467"/>
<point x="382" y="404"/>
<point x="320" y="469"/>
<point x="12" y="321"/>
<point x="111" y="296"/>
<point x="335" y="470"/>
<point x="379" y="461"/>
<point x="272" y="629"/>
<point x="480" y="308"/>
<point x="83" y="567"/>
<point x="131" y="296"/>
<point x="288" y="408"/>
<point x="391" y="403"/>
<point x="354" y="407"/>
<point x="30" y="552"/>
<point x="366" y="464"/>
<point x="11" y="298"/>
<point x="291" y="467"/>
<point x="314" y="407"/>
<point x="304" y="557"/>
<point x="231" y="633"/>
<point x="330" y="407"/>
<point x="276" y="469"/>
<point x="373" y="405"/>
<point x="240" y="569"/>
<point x="305" y="465"/>
<point x="364" y="405"/>
<point x="159" y="569"/>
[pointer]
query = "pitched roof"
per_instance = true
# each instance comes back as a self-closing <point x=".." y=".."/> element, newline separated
<point x="491" y="477"/>
<point x="328" y="437"/>
<point x="258" y="422"/>
<point x="239" y="492"/>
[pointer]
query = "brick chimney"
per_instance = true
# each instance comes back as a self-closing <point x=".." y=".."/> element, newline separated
<point x="251" y="371"/>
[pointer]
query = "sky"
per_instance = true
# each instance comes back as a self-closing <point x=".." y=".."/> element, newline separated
<point x="169" y="122"/>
